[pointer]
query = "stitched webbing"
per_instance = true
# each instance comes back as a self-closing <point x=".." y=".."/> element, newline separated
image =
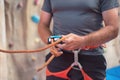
<point x="60" y="74"/>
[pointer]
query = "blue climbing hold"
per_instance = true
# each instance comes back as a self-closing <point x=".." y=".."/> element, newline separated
<point x="35" y="78"/>
<point x="113" y="73"/>
<point x="35" y="18"/>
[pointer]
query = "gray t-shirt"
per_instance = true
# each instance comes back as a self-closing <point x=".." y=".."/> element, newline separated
<point x="77" y="16"/>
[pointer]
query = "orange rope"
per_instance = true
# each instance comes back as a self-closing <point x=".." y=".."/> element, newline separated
<point x="38" y="50"/>
<point x="32" y="51"/>
<point x="46" y="63"/>
<point x="54" y="53"/>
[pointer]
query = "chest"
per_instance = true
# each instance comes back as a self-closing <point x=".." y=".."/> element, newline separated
<point x="66" y="5"/>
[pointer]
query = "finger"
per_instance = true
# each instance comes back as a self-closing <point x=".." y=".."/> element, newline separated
<point x="58" y="49"/>
<point x="56" y="53"/>
<point x="59" y="54"/>
<point x="61" y="46"/>
<point x="68" y="40"/>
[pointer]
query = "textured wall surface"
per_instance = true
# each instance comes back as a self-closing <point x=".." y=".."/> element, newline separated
<point x="3" y="57"/>
<point x="22" y="34"/>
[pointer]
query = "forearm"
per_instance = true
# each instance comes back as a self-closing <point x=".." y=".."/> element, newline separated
<point x="44" y="32"/>
<point x="101" y="36"/>
<point x="107" y="33"/>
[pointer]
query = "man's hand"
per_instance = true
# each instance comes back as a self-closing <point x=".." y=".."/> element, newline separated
<point x="72" y="42"/>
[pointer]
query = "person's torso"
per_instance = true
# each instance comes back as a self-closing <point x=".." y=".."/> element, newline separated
<point x="76" y="16"/>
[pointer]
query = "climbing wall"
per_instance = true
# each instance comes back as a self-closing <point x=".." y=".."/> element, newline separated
<point x="22" y="17"/>
<point x="3" y="57"/>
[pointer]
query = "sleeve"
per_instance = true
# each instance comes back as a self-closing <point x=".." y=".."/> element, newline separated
<point x="108" y="4"/>
<point x="47" y="6"/>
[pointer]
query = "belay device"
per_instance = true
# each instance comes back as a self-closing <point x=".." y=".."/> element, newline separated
<point x="55" y="38"/>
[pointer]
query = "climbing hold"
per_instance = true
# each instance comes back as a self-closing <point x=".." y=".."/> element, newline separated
<point x="35" y="18"/>
<point x="105" y="50"/>
<point x="35" y="78"/>
<point x="33" y="58"/>
<point x="20" y="5"/>
<point x="37" y="40"/>
<point x="10" y="45"/>
<point x="36" y="2"/>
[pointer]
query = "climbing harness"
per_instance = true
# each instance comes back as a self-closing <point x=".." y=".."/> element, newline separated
<point x="63" y="74"/>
